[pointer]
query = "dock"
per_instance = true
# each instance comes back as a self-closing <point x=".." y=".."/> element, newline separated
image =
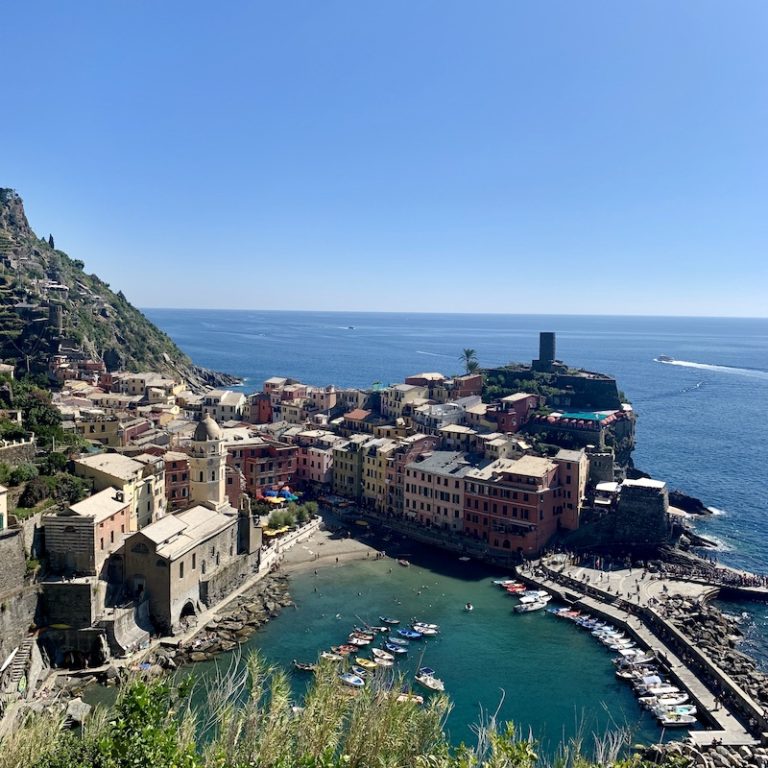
<point x="730" y="716"/>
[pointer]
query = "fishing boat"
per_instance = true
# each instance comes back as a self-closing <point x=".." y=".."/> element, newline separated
<point x="368" y="664"/>
<point x="398" y="641"/>
<point x="398" y="650"/>
<point x="303" y="666"/>
<point x="536" y="605"/>
<point x="359" y="671"/>
<point x="426" y="677"/>
<point x="351" y="679"/>
<point x="328" y="656"/>
<point x="676" y="721"/>
<point x="379" y="654"/>
<point x="409" y="634"/>
<point x="414" y="698"/>
<point x="389" y="620"/>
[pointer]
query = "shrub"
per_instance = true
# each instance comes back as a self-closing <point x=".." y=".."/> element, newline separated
<point x="22" y="474"/>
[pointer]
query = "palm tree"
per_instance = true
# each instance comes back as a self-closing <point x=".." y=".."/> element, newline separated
<point x="469" y="358"/>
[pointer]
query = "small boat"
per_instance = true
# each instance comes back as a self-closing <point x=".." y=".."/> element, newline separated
<point x="376" y="629"/>
<point x="426" y="677"/>
<point x="383" y="662"/>
<point x="379" y="654"/>
<point x="537" y="593"/>
<point x="404" y="563"/>
<point x="359" y="671"/>
<point x="361" y="661"/>
<point x="424" y="624"/>
<point x="414" y="698"/>
<point x="676" y="721"/>
<point x="396" y="649"/>
<point x="673" y="700"/>
<point x="344" y="650"/>
<point x="398" y="641"/>
<point x="352" y="680"/>
<point x="328" y="656"/>
<point x="389" y="620"/>
<point x="537" y="605"/>
<point x="362" y="634"/>
<point x="622" y="645"/>
<point x="465" y="559"/>
<point x="514" y="589"/>
<point x="409" y="634"/>
<point x="426" y="631"/>
<point x="359" y="641"/>
<point x="469" y="607"/>
<point x="630" y="673"/>
<point x="303" y="666"/>
<point x="664" y="359"/>
<point x="525" y="599"/>
<point x="504" y="582"/>
<point x="681" y="709"/>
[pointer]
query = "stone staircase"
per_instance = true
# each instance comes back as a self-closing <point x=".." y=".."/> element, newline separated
<point x="12" y="677"/>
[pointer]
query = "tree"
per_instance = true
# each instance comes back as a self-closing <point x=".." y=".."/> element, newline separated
<point x="50" y="241"/>
<point x="469" y="358"/>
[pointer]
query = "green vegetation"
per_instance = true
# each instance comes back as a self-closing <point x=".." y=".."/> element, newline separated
<point x="498" y="384"/>
<point x="292" y="514"/>
<point x="252" y="722"/>
<point x="469" y="358"/>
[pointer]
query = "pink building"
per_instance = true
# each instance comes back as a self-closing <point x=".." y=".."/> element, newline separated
<point x="434" y="489"/>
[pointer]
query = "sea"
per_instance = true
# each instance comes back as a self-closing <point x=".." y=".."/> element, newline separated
<point x="702" y="427"/>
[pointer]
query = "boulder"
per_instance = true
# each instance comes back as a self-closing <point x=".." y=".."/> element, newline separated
<point x="78" y="711"/>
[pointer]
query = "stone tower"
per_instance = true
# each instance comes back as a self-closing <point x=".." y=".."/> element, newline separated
<point x="207" y="466"/>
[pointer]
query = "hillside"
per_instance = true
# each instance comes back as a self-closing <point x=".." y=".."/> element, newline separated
<point x="49" y="304"/>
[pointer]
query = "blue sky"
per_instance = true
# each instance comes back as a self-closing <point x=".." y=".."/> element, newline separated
<point x="499" y="156"/>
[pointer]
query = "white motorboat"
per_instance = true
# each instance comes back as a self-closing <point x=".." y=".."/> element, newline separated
<point x="425" y="630"/>
<point x="681" y="709"/>
<point x="425" y="625"/>
<point x="621" y="645"/>
<point x="676" y="721"/>
<point x="536" y="593"/>
<point x="426" y="677"/>
<point x="526" y="599"/>
<point x="536" y="605"/>
<point x="352" y="680"/>
<point x="671" y="700"/>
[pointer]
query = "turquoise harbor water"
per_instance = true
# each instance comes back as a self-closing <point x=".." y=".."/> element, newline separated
<point x="702" y="427"/>
<point x="546" y="673"/>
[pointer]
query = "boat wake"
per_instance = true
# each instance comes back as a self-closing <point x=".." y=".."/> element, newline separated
<point x="752" y="372"/>
<point x="431" y="354"/>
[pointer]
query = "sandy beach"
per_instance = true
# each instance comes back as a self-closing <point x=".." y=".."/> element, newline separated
<point x="325" y="549"/>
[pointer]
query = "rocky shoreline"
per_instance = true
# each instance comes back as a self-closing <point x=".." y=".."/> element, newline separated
<point x="717" y="635"/>
<point x="713" y="756"/>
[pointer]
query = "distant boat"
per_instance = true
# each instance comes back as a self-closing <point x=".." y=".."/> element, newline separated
<point x="389" y="620"/>
<point x="359" y="671"/>
<point x="398" y="641"/>
<point x="404" y="563"/>
<point x="409" y="634"/>
<point x="469" y="607"/>
<point x="303" y="666"/>
<point x="673" y="720"/>
<point x="664" y="359"/>
<point x="397" y="649"/>
<point x="465" y="559"/>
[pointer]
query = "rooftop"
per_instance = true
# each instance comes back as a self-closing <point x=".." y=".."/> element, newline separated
<point x="174" y="535"/>
<point x="114" y="464"/>
<point x="565" y="455"/>
<point x="100" y="506"/>
<point x="451" y="463"/>
<point x="358" y="414"/>
<point x="645" y="482"/>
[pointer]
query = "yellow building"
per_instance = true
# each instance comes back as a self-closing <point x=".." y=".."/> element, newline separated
<point x="348" y="466"/>
<point x="376" y="455"/>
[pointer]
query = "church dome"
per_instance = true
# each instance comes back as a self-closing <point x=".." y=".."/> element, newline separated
<point x="206" y="430"/>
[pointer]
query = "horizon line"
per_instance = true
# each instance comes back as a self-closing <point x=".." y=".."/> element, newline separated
<point x="431" y="312"/>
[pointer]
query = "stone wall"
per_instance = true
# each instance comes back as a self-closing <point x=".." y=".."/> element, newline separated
<point x="18" y="600"/>
<point x="69" y="602"/>
<point x="14" y="453"/>
<point x="219" y="585"/>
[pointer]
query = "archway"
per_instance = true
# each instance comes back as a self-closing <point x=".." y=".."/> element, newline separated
<point x="188" y="611"/>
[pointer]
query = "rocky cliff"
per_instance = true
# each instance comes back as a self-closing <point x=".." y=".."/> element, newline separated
<point x="50" y="305"/>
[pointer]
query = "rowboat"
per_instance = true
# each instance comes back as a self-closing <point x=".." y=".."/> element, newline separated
<point x="409" y="634"/>
<point x="352" y="680"/>
<point x="396" y="649"/>
<point x="389" y="620"/>
<point x="383" y="662"/>
<point x="379" y="654"/>
<point x="359" y="671"/>
<point x="361" y="661"/>
<point x="427" y="631"/>
<point x="425" y="625"/>
<point x="363" y="634"/>
<point x="328" y="656"/>
<point x="426" y="677"/>
<point x="344" y="650"/>
<point x="359" y="641"/>
<point x="303" y="666"/>
<point x="398" y="641"/>
<point x="504" y="582"/>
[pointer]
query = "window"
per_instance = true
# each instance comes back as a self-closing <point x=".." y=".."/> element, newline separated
<point x="111" y="538"/>
<point x="194" y="560"/>
<point x="102" y="543"/>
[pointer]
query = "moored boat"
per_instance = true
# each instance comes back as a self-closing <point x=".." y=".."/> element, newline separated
<point x="344" y="650"/>
<point x="676" y="721"/>
<point x="358" y="641"/>
<point x="389" y="620"/>
<point x="383" y="662"/>
<point x="398" y="641"/>
<point x="536" y="605"/>
<point x="409" y="634"/>
<point x="359" y="671"/>
<point x="352" y="680"/>
<point x="398" y="650"/>
<point x="328" y="656"/>
<point x="426" y="677"/>
<point x="303" y="666"/>
<point x="368" y="664"/>
<point x="413" y="698"/>
<point x="379" y="654"/>
<point x="427" y="631"/>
